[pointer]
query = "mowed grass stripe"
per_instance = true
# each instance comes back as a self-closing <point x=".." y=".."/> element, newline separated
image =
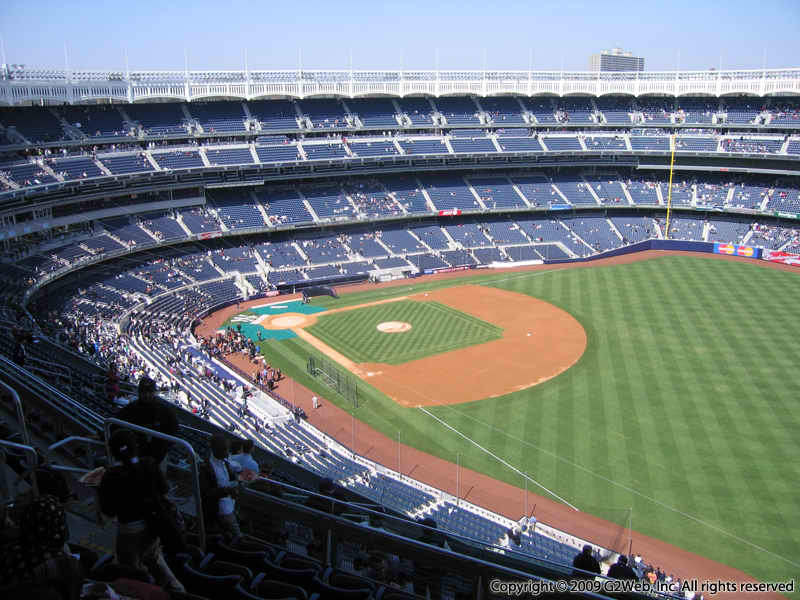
<point x="435" y="328"/>
<point x="682" y="352"/>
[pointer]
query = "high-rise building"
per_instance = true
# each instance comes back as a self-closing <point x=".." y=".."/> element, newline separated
<point x="616" y="60"/>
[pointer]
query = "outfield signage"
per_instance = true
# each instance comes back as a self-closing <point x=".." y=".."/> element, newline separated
<point x="736" y="250"/>
<point x="447" y="270"/>
<point x="784" y="258"/>
<point x="452" y="212"/>
<point x="786" y="215"/>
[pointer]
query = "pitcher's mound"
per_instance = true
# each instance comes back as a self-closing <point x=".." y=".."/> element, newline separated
<point x="393" y="327"/>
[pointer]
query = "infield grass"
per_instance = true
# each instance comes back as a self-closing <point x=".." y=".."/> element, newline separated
<point x="435" y="328"/>
<point x="684" y="406"/>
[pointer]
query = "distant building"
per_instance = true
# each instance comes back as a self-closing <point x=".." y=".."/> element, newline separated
<point x="616" y="60"/>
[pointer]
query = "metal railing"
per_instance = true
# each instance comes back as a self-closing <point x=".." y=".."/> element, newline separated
<point x="31" y="466"/>
<point x="195" y="463"/>
<point x="26" y="437"/>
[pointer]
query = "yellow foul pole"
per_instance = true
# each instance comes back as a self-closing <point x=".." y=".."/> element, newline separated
<point x="669" y="191"/>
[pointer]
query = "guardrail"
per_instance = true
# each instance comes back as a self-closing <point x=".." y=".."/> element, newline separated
<point x="107" y="425"/>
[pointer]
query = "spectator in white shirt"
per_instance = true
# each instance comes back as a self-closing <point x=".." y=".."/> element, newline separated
<point x="245" y="457"/>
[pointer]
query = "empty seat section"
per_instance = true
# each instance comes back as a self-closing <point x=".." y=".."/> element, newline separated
<point x="643" y="191"/>
<point x="329" y="202"/>
<point x="418" y="110"/>
<point x="458" y="110"/>
<point x="541" y="108"/>
<point x="283" y="153"/>
<point x="179" y="159"/>
<point x="496" y="192"/>
<point x="324" y="113"/>
<point x="696" y="144"/>
<point x="481" y="144"/>
<point x="537" y="189"/>
<point x="76" y="168"/>
<point x="377" y="148"/>
<point x="162" y="225"/>
<point x="284" y="205"/>
<point x="595" y="231"/>
<point x="400" y="241"/>
<point x="198" y="219"/>
<point x="36" y="124"/>
<point x="274" y="114"/>
<point x="696" y="110"/>
<point x="448" y="192"/>
<point x="742" y="110"/>
<point x="575" y="191"/>
<point x="158" y="119"/>
<point x="503" y="110"/>
<point x="424" y="146"/>
<point x="650" y="142"/>
<point x="562" y="143"/>
<point x="505" y="232"/>
<point x="431" y="236"/>
<point x="519" y="144"/>
<point x="616" y="110"/>
<point x="218" y="117"/>
<point x="575" y="110"/>
<point x="325" y="150"/>
<point x="374" y="112"/>
<point x="95" y="121"/>
<point x="229" y="156"/>
<point x="608" y="188"/>
<point x="634" y="228"/>
<point x="469" y="235"/>
<point x="236" y="208"/>
<point x="128" y="163"/>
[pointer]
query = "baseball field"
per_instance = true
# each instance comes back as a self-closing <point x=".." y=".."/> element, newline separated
<point x="678" y="410"/>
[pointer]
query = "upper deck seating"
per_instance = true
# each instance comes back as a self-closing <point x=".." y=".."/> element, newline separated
<point x="219" y="117"/>
<point x="35" y="123"/>
<point x="95" y="120"/>
<point x="503" y="110"/>
<point x="418" y="110"/>
<point x="274" y="114"/>
<point x="458" y="110"/>
<point x="541" y="108"/>
<point x="374" y="112"/>
<point x="158" y="119"/>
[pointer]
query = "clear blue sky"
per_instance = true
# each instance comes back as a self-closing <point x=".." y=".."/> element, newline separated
<point x="388" y="34"/>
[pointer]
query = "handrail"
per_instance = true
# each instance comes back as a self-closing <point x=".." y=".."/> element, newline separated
<point x="20" y="413"/>
<point x="28" y="449"/>
<point x="107" y="423"/>
<point x="81" y="415"/>
<point x="446" y="555"/>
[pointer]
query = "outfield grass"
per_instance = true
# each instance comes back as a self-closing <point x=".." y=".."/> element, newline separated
<point x="435" y="328"/>
<point x="683" y="407"/>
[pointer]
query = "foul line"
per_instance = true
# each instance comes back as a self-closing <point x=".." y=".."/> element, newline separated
<point x="620" y="485"/>
<point x="498" y="459"/>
